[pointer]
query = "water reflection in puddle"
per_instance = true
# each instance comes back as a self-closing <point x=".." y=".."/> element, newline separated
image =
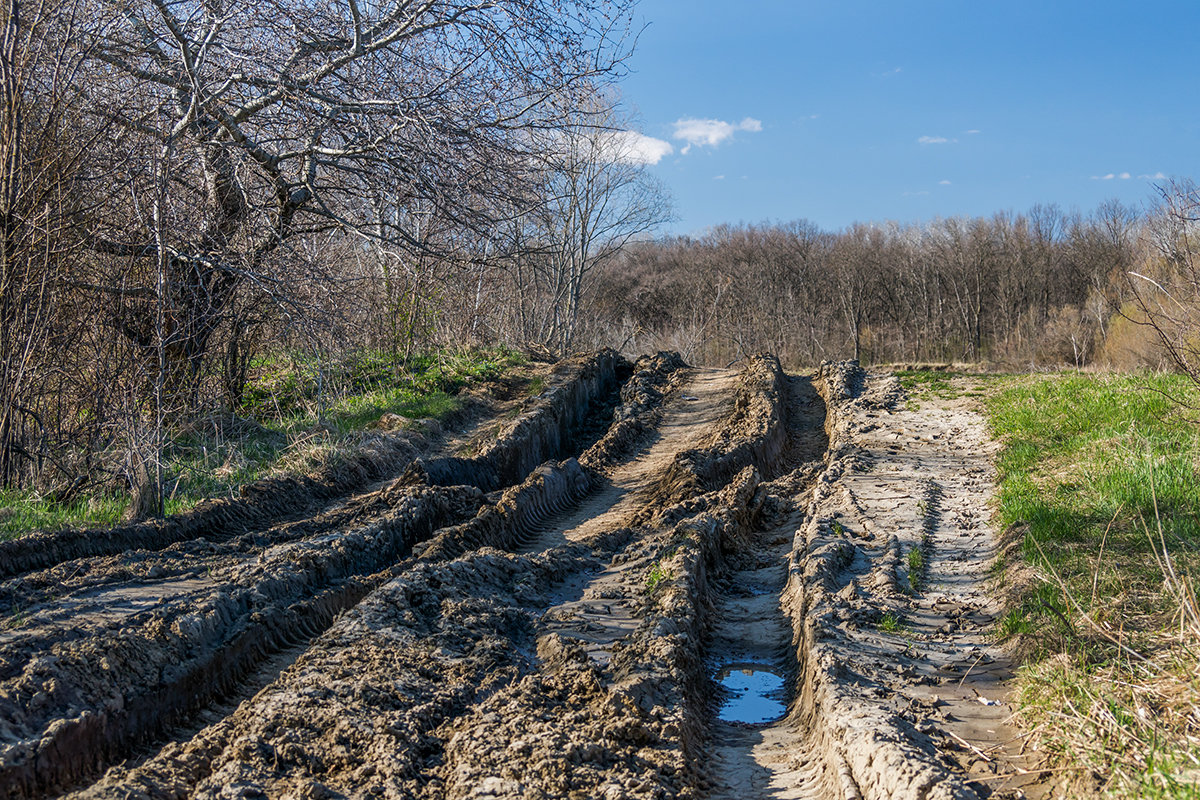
<point x="754" y="693"/>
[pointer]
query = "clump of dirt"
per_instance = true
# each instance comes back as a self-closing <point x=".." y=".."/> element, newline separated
<point x="754" y="434"/>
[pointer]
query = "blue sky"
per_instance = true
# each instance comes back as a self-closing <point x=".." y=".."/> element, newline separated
<point x="863" y="110"/>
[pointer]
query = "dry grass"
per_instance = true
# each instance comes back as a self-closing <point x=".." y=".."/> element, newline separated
<point x="1122" y="708"/>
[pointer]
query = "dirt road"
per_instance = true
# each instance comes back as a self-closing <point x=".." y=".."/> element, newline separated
<point x="706" y="591"/>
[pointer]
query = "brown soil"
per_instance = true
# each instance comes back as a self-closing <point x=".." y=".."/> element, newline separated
<point x="493" y="624"/>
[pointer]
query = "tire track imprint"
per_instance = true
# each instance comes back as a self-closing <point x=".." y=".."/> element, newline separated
<point x="509" y="627"/>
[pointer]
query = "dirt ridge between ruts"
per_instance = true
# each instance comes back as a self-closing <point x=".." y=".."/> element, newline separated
<point x="553" y="487"/>
<point x="30" y="765"/>
<point x="869" y="752"/>
<point x="543" y="433"/>
<point x="754" y="434"/>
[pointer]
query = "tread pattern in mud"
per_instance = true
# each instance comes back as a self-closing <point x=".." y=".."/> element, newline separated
<point x="553" y="629"/>
<point x="143" y="637"/>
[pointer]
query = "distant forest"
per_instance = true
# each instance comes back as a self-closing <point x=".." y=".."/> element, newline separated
<point x="1037" y="289"/>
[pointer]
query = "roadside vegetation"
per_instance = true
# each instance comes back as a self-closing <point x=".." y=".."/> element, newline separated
<point x="1099" y="497"/>
<point x="296" y="413"/>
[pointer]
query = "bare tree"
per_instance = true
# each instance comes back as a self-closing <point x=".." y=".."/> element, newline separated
<point x="1166" y="286"/>
<point x="596" y="197"/>
<point x="288" y="114"/>
<point x="40" y="215"/>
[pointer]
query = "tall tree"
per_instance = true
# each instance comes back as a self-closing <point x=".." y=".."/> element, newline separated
<point x="280" y="117"/>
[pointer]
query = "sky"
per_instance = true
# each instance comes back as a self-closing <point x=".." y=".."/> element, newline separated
<point x="848" y="111"/>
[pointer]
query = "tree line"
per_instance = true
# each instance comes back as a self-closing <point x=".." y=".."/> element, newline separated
<point x="1040" y="289"/>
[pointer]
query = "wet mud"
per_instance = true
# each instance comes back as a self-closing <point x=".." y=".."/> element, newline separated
<point x="655" y="582"/>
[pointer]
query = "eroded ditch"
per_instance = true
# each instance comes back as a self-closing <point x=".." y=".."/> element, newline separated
<point x="683" y="602"/>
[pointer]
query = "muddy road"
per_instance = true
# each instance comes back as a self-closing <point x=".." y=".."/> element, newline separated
<point x="649" y="581"/>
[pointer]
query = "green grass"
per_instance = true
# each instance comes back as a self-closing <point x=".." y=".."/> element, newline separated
<point x="927" y="384"/>
<point x="891" y="622"/>
<point x="656" y="577"/>
<point x="289" y="420"/>
<point x="916" y="568"/>
<point x="1100" y="474"/>
<point x="25" y="511"/>
<point x="1087" y="460"/>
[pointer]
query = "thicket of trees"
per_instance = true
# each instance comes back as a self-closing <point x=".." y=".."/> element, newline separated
<point x="187" y="186"/>
<point x="1043" y="288"/>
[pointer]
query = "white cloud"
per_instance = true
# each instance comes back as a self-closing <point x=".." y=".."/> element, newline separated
<point x="718" y="177"/>
<point x="974" y="131"/>
<point x="1158" y="176"/>
<point x="631" y="147"/>
<point x="943" y="183"/>
<point x="936" y="140"/>
<point x="711" y="132"/>
<point x="1123" y="176"/>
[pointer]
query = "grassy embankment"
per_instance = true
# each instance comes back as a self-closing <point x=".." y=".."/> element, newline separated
<point x="1098" y="483"/>
<point x="289" y="421"/>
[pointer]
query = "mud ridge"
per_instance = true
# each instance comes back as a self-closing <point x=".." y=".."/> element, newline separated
<point x="861" y="747"/>
<point x="544" y="432"/>
<point x="554" y="487"/>
<point x="754" y="434"/>
<point x="261" y="503"/>
<point x="78" y="704"/>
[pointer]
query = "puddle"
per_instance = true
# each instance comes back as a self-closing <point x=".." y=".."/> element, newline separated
<point x="754" y="694"/>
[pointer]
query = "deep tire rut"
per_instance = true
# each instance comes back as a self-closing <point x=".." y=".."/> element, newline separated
<point x="499" y="625"/>
<point x="752" y="627"/>
<point x="147" y="638"/>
